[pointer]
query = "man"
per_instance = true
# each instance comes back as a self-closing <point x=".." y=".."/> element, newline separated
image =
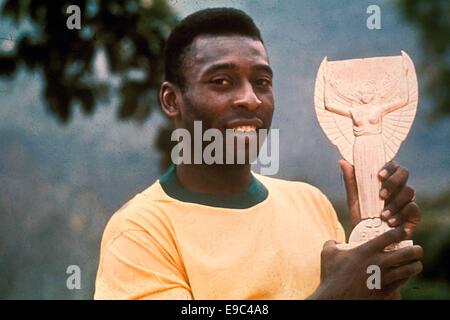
<point x="218" y="231"/>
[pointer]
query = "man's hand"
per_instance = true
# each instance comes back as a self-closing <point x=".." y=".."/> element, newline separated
<point x="400" y="208"/>
<point x="344" y="272"/>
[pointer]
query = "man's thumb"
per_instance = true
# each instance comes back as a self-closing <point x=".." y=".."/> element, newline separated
<point x="352" y="191"/>
<point x="329" y="243"/>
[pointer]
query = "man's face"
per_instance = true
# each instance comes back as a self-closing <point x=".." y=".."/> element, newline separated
<point x="228" y="84"/>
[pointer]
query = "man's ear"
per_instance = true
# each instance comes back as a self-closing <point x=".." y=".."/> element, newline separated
<point x="169" y="95"/>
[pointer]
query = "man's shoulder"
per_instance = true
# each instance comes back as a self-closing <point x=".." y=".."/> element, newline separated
<point x="140" y="213"/>
<point x="144" y="200"/>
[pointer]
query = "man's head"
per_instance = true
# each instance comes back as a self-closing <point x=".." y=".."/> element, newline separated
<point x="215" y="21"/>
<point x="217" y="72"/>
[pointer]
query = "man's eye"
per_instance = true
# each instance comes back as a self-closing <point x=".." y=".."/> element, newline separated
<point x="221" y="82"/>
<point x="264" y="82"/>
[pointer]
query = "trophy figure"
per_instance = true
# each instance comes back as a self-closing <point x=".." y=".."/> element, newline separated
<point x="366" y="108"/>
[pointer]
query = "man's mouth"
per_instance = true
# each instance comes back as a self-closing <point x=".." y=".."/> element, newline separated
<point x="245" y="125"/>
<point x="244" y="129"/>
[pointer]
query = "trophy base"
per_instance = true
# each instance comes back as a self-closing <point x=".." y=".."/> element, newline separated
<point x="368" y="229"/>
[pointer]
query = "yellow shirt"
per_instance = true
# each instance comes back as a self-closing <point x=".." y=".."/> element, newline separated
<point x="159" y="247"/>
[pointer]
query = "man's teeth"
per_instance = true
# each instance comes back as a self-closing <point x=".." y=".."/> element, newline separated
<point x="244" y="129"/>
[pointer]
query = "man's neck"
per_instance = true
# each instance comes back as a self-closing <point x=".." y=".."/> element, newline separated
<point x="214" y="179"/>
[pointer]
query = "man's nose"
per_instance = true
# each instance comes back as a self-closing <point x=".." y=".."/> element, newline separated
<point x="247" y="98"/>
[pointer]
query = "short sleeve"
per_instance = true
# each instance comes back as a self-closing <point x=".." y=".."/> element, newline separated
<point x="134" y="265"/>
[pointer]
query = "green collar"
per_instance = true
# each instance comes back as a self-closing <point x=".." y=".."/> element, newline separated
<point x="254" y="194"/>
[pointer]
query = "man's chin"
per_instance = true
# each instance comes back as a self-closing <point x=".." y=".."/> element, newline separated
<point x="245" y="152"/>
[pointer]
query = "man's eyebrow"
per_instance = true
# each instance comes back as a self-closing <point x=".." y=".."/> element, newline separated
<point x="263" y="67"/>
<point x="232" y="66"/>
<point x="220" y="66"/>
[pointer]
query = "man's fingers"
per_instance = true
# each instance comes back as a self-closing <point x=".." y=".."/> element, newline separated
<point x="400" y="273"/>
<point x="395" y="182"/>
<point x="408" y="217"/>
<point x="329" y="249"/>
<point x="401" y="199"/>
<point x="329" y="244"/>
<point x="403" y="256"/>
<point x="352" y="191"/>
<point x="387" y="170"/>
<point x="382" y="241"/>
<point x="392" y="287"/>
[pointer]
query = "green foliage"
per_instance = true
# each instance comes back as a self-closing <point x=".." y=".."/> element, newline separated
<point x="432" y="19"/>
<point x="131" y="33"/>
<point x="420" y="288"/>
<point x="433" y="234"/>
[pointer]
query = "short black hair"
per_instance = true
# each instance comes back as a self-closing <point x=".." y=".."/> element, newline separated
<point x="212" y="21"/>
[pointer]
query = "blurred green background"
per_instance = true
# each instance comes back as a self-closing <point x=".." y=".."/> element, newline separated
<point x="81" y="131"/>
